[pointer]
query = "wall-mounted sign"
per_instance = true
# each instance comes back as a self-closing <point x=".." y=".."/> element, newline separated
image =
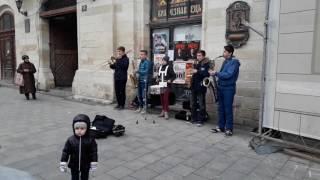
<point x="173" y="9"/>
<point x="236" y="33"/>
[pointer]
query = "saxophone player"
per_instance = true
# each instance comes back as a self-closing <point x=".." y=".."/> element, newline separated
<point x="227" y="79"/>
<point x="120" y="67"/>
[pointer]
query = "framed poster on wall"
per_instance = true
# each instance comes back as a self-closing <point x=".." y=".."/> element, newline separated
<point x="160" y="41"/>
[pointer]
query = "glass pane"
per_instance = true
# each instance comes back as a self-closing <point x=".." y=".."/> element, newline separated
<point x="8" y="22"/>
<point x="187" y="42"/>
<point x="187" y="33"/>
<point x="1" y="23"/>
<point x="8" y="49"/>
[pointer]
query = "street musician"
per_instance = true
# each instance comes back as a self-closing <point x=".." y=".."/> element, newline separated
<point x="120" y="66"/>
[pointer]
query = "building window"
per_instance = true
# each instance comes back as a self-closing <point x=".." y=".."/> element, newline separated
<point x="6" y="22"/>
<point x="316" y="50"/>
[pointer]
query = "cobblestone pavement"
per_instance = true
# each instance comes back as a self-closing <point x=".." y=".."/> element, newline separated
<point x="33" y="133"/>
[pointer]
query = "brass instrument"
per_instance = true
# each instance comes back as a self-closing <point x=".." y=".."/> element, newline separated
<point x="133" y="76"/>
<point x="207" y="81"/>
<point x="109" y="62"/>
<point x="211" y="81"/>
<point x="112" y="60"/>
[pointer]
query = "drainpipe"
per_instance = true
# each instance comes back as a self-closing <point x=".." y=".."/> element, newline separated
<point x="264" y="64"/>
<point x="264" y="35"/>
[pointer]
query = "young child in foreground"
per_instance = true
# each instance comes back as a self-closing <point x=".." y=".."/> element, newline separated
<point x="80" y="150"/>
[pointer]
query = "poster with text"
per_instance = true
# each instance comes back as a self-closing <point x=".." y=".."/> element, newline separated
<point x="160" y="43"/>
<point x="157" y="58"/>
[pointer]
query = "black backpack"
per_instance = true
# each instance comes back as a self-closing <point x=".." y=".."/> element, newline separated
<point x="101" y="126"/>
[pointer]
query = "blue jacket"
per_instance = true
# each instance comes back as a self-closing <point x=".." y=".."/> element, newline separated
<point x="144" y="70"/>
<point x="197" y="78"/>
<point x="121" y="68"/>
<point x="229" y="72"/>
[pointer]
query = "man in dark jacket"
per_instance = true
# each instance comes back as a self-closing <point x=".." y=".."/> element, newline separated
<point x="200" y="71"/>
<point x="227" y="78"/>
<point x="120" y="76"/>
<point x="143" y="81"/>
<point x="80" y="150"/>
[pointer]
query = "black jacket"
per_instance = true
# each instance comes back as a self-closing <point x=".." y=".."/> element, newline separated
<point x="197" y="78"/>
<point x="121" y="68"/>
<point x="89" y="150"/>
<point x="171" y="75"/>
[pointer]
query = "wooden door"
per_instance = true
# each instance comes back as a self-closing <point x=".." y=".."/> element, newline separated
<point x="63" y="49"/>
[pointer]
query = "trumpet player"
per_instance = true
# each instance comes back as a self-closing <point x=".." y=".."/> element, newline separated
<point x="227" y="78"/>
<point x="200" y="71"/>
<point x="120" y="67"/>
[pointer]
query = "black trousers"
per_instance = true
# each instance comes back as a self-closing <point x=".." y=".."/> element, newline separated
<point x="75" y="174"/>
<point x="198" y="107"/>
<point x="120" y="88"/>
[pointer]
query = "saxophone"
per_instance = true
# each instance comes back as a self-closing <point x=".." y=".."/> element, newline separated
<point x="133" y="76"/>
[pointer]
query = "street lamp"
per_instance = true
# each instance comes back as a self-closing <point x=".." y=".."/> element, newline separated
<point x="19" y="5"/>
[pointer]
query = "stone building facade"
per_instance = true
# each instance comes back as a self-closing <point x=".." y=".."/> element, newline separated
<point x="103" y="25"/>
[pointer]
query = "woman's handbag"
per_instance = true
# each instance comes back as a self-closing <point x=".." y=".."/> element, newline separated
<point x="18" y="79"/>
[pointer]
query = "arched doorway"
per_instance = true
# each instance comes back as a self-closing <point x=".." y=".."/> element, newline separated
<point x="7" y="46"/>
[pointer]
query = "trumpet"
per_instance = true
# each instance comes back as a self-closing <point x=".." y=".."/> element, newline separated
<point x="112" y="60"/>
<point x="109" y="62"/>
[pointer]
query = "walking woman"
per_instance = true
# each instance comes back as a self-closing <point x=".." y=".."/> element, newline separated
<point x="27" y="70"/>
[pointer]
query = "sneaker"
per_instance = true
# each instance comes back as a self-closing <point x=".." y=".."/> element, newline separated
<point x="166" y="115"/>
<point x="121" y="108"/>
<point x="143" y="111"/>
<point x="117" y="107"/>
<point x="138" y="110"/>
<point x="228" y="132"/>
<point x="191" y="122"/>
<point x="161" y="114"/>
<point x="199" y="124"/>
<point x="216" y="130"/>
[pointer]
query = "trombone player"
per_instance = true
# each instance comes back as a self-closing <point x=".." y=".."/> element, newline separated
<point x="120" y="66"/>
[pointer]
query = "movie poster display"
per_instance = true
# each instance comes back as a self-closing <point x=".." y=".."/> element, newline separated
<point x="160" y="42"/>
<point x="185" y="51"/>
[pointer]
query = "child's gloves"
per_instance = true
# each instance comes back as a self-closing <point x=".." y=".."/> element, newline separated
<point x="93" y="166"/>
<point x="63" y="167"/>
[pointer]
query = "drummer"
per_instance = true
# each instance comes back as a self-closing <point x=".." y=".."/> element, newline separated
<point x="165" y="78"/>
